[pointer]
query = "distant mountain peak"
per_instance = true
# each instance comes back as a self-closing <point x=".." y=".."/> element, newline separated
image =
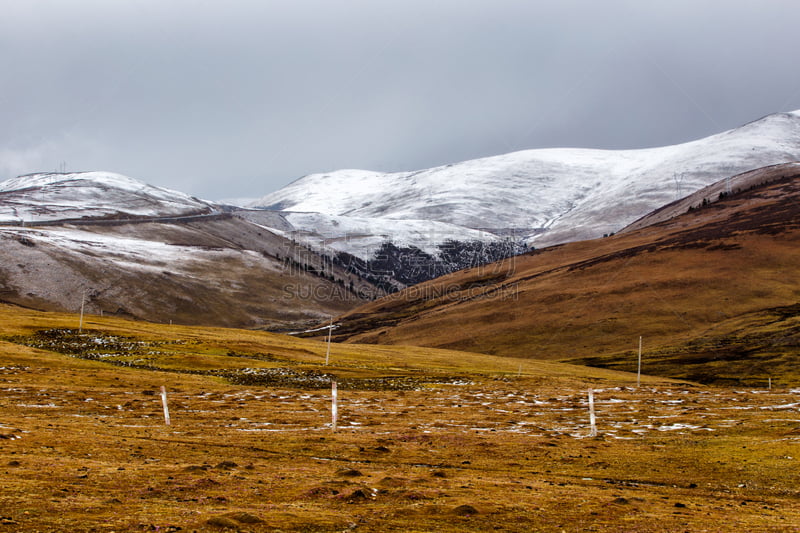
<point x="50" y="196"/>
<point x="44" y="179"/>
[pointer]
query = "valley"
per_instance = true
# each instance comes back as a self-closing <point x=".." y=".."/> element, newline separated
<point x="145" y="385"/>
<point x="328" y="243"/>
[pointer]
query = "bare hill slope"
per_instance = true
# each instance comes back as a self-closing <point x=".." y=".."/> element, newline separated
<point x="714" y="292"/>
<point x="118" y="246"/>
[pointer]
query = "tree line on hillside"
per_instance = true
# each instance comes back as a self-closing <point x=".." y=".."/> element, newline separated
<point x="393" y="267"/>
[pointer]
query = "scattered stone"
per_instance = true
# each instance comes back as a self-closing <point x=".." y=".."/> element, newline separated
<point x="321" y="492"/>
<point x="391" y="482"/>
<point x="196" y="468"/>
<point x="680" y="505"/>
<point x="226" y="465"/>
<point x="233" y="520"/>
<point x="465" y="510"/>
<point x="208" y="482"/>
<point x="14" y="463"/>
<point x="348" y="472"/>
<point x="358" y="495"/>
<point x="381" y="449"/>
<point x="223" y="522"/>
<point x="414" y="495"/>
<point x="244" y="518"/>
<point x="621" y="501"/>
<point x="439" y="473"/>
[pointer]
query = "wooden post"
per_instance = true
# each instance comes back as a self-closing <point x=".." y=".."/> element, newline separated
<point x="639" y="371"/>
<point x="164" y="402"/>
<point x="334" y="406"/>
<point x="592" y="422"/>
<point x="83" y="301"/>
<point x="328" y="352"/>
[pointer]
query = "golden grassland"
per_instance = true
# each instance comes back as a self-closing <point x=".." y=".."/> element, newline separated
<point x="216" y="348"/>
<point x="471" y="443"/>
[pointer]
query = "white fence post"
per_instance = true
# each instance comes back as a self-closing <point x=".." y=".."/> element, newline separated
<point x="334" y="406"/>
<point x="328" y="350"/>
<point x="164" y="402"/>
<point x="639" y="371"/>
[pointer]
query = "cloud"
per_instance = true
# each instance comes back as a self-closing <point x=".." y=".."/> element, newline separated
<point x="241" y="98"/>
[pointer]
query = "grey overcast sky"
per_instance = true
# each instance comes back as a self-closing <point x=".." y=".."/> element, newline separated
<point x="238" y="98"/>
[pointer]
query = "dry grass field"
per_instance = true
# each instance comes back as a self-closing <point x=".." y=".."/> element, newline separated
<point x="427" y="440"/>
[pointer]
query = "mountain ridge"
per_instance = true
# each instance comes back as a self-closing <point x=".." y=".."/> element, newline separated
<point x="713" y="292"/>
<point x="105" y="205"/>
<point x="43" y="197"/>
<point x="544" y="196"/>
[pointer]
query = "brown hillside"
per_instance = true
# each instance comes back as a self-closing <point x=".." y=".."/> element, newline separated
<point x="713" y="292"/>
<point x="223" y="272"/>
<point x="733" y="185"/>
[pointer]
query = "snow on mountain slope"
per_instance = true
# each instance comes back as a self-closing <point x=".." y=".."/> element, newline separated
<point x="217" y="271"/>
<point x="550" y="195"/>
<point x="363" y="236"/>
<point x="57" y="196"/>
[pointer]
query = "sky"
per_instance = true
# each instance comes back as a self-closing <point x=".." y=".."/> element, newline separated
<point x="239" y="98"/>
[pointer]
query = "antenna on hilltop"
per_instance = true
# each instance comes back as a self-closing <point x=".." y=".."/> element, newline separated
<point x="678" y="184"/>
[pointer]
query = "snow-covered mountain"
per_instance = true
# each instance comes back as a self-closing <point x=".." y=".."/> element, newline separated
<point x="57" y="196"/>
<point x="120" y="239"/>
<point x="544" y="196"/>
<point x="126" y="248"/>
